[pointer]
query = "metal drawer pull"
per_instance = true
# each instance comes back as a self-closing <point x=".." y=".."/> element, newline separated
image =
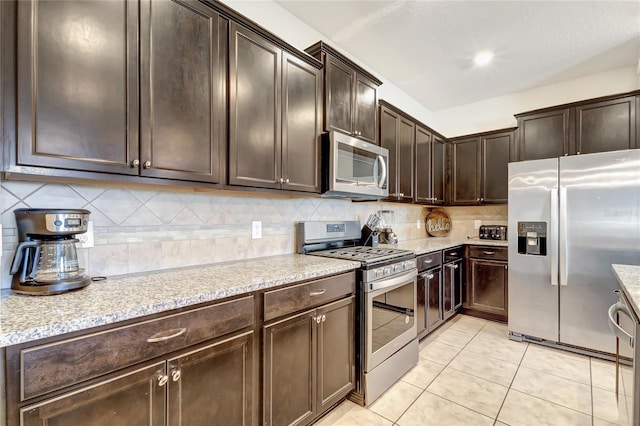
<point x="489" y="253"/>
<point x="163" y="379"/>
<point x="428" y="261"/>
<point x="455" y="253"/>
<point x="163" y="337"/>
<point x="318" y="319"/>
<point x="175" y="375"/>
<point x="318" y="292"/>
<point x="324" y="318"/>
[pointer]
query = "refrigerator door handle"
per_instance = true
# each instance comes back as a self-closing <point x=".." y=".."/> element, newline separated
<point x="553" y="241"/>
<point x="563" y="237"/>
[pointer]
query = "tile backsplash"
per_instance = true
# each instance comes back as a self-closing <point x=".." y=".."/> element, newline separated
<point x="140" y="229"/>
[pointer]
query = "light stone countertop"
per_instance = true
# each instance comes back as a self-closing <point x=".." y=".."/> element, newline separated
<point x="629" y="279"/>
<point x="427" y="245"/>
<point x="25" y="318"/>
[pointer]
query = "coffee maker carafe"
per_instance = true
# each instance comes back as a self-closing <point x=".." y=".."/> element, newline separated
<point x="46" y="260"/>
<point x="387" y="220"/>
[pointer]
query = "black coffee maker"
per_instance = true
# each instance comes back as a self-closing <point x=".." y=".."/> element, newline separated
<point x="46" y="260"/>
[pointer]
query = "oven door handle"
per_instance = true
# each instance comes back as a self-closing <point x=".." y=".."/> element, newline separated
<point x="392" y="282"/>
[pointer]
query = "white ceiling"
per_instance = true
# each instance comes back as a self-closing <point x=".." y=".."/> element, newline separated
<point x="426" y="47"/>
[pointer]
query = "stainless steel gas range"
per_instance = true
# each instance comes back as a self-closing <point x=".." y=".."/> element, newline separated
<point x="386" y="329"/>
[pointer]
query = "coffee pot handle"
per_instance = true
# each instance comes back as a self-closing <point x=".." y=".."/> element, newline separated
<point x="17" y="258"/>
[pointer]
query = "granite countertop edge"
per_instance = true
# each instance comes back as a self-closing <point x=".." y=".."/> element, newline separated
<point x="26" y="318"/>
<point x="629" y="278"/>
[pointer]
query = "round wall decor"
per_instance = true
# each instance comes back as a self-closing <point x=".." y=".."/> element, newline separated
<point x="438" y="224"/>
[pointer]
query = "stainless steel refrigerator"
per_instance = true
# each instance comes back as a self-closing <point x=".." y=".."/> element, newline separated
<point x="570" y="218"/>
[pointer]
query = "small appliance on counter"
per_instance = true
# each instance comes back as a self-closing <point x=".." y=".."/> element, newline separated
<point x="387" y="220"/>
<point x="46" y="260"/>
<point x="493" y="232"/>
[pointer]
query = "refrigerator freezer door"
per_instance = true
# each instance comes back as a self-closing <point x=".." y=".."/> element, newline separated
<point x="600" y="220"/>
<point x="533" y="297"/>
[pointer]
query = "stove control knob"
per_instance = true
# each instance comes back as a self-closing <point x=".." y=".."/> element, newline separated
<point x="387" y="270"/>
<point x="379" y="273"/>
<point x="397" y="268"/>
<point x="406" y="265"/>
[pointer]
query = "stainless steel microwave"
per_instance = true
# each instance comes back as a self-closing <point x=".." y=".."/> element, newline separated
<point x="352" y="168"/>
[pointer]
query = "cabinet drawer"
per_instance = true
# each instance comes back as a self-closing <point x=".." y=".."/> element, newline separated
<point x="453" y="254"/>
<point x="303" y="296"/>
<point x="56" y="365"/>
<point x="428" y="261"/>
<point x="489" y="252"/>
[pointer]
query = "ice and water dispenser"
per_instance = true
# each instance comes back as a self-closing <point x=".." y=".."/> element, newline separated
<point x="532" y="238"/>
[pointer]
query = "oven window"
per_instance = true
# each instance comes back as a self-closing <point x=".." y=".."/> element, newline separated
<point x="392" y="314"/>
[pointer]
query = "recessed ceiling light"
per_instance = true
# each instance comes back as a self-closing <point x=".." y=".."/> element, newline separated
<point x="483" y="58"/>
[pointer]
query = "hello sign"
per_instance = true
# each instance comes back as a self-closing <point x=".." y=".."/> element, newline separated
<point x="438" y="224"/>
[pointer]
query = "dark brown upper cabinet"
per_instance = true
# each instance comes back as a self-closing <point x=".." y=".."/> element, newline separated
<point x="350" y="94"/>
<point x="479" y="168"/>
<point x="430" y="167"/>
<point x="183" y="47"/>
<point x="274" y="115"/>
<point x="398" y="135"/>
<point x="79" y="75"/>
<point x="77" y="85"/>
<point x="597" y="125"/>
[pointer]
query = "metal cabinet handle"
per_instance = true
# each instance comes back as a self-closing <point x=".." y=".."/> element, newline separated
<point x="429" y="277"/>
<point x="489" y="253"/>
<point x="318" y="292"/>
<point x="477" y="199"/>
<point x="506" y="267"/>
<point x="401" y="195"/>
<point x="147" y="164"/>
<point x="286" y="180"/>
<point x="175" y="375"/>
<point x="455" y="253"/>
<point x="318" y="319"/>
<point x="578" y="153"/>
<point x="162" y="380"/>
<point x="428" y="261"/>
<point x="324" y="318"/>
<point x="135" y="163"/>
<point x="163" y="336"/>
<point x="455" y="266"/>
<point x="482" y="199"/>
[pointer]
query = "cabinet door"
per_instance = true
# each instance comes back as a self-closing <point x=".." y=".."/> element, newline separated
<point x="543" y="135"/>
<point x="423" y="166"/>
<point x="289" y="370"/>
<point x="488" y="287"/>
<point x="183" y="78"/>
<point x="131" y="399"/>
<point x="439" y="170"/>
<point x="495" y="167"/>
<point x="339" y="89"/>
<point x="421" y="305"/>
<point x="465" y="171"/>
<point x="458" y="282"/>
<point x="406" y="158"/>
<point x="336" y="353"/>
<point x="213" y="385"/>
<point x="77" y="85"/>
<point x="606" y="126"/>
<point x="302" y="105"/>
<point x="434" y="298"/>
<point x="389" y="122"/>
<point x="448" y="279"/>
<point x="255" y="110"/>
<point x="365" y="125"/>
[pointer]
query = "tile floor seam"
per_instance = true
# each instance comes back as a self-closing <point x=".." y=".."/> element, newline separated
<point x="458" y="404"/>
<point x="562" y="377"/>
<point x="591" y="392"/>
<point x="556" y="404"/>
<point x="512" y="380"/>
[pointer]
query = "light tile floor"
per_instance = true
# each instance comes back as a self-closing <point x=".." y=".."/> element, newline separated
<point x="470" y="373"/>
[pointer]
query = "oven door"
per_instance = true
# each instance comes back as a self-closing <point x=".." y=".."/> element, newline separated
<point x="390" y="314"/>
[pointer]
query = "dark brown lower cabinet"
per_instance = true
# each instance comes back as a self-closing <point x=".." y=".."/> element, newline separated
<point x="452" y="278"/>
<point x="209" y="385"/>
<point x="212" y="385"/>
<point x="430" y="313"/>
<point x="309" y="363"/>
<point x="488" y="287"/>
<point x="130" y="399"/>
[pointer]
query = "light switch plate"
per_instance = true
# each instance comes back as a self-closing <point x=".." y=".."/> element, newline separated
<point x="418" y="221"/>
<point x="256" y="229"/>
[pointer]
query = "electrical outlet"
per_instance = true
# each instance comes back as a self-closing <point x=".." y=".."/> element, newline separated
<point x="418" y="221"/>
<point x="86" y="239"/>
<point x="256" y="229"/>
<point x="476" y="224"/>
